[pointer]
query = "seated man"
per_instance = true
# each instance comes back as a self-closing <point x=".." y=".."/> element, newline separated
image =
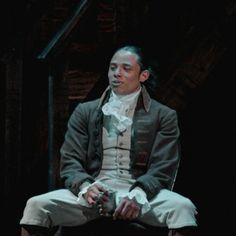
<point x="119" y="159"/>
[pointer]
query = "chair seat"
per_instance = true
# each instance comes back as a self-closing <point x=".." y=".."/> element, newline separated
<point x="108" y="227"/>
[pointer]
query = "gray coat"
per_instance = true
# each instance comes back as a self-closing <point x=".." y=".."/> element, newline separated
<point x="154" y="154"/>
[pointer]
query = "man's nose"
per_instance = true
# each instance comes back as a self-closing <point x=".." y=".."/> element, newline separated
<point x="118" y="71"/>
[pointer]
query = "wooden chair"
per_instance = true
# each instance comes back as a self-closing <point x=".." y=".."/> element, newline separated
<point x="108" y="227"/>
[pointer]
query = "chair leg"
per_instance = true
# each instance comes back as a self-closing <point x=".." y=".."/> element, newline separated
<point x="31" y="230"/>
<point x="185" y="231"/>
<point x="24" y="232"/>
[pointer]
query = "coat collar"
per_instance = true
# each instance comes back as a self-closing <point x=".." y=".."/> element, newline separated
<point x="146" y="100"/>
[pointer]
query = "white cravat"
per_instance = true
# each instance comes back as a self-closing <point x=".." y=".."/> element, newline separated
<point x="118" y="106"/>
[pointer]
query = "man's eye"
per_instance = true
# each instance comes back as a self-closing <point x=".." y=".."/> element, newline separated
<point x="112" y="67"/>
<point x="127" y="68"/>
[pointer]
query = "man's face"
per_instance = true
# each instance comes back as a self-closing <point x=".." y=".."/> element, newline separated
<point x="124" y="73"/>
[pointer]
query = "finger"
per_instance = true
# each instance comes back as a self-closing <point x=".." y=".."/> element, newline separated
<point x="104" y="198"/>
<point x="125" y="212"/>
<point x="94" y="190"/>
<point x="135" y="215"/>
<point x="91" y="201"/>
<point x="130" y="210"/>
<point x="92" y="198"/>
<point x="100" y="188"/>
<point x="126" y="215"/>
<point x="118" y="210"/>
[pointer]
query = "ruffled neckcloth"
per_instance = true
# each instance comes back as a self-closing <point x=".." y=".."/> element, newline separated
<point x="118" y="107"/>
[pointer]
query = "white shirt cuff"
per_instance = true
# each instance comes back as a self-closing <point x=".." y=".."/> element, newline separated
<point x="139" y="196"/>
<point x="83" y="189"/>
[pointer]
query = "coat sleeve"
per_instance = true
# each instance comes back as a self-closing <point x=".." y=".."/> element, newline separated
<point x="74" y="151"/>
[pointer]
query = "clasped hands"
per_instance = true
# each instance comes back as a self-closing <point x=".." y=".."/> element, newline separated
<point x="104" y="200"/>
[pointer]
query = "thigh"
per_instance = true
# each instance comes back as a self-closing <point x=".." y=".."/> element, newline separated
<point x="161" y="205"/>
<point x="57" y="197"/>
<point x="63" y="208"/>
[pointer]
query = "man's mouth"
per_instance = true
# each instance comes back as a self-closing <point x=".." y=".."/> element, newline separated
<point x="116" y="83"/>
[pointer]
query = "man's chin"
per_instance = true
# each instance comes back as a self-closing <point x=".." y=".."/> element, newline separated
<point x="119" y="91"/>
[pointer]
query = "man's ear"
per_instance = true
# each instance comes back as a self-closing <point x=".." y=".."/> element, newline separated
<point x="144" y="75"/>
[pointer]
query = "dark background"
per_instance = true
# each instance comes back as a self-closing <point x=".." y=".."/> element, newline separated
<point x="192" y="44"/>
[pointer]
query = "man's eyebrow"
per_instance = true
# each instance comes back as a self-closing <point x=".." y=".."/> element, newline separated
<point x="123" y="64"/>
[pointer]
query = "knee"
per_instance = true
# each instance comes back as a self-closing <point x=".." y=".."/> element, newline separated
<point x="182" y="204"/>
<point x="36" y="202"/>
